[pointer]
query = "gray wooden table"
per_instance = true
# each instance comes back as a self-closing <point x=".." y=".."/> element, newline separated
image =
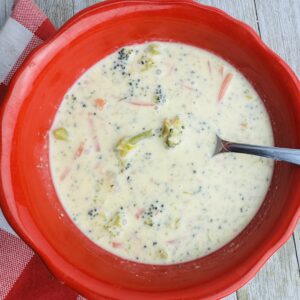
<point x="278" y="23"/>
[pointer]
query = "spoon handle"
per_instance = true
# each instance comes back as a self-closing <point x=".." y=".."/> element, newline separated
<point x="283" y="154"/>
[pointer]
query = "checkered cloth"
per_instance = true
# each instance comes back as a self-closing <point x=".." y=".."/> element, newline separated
<point x="22" y="274"/>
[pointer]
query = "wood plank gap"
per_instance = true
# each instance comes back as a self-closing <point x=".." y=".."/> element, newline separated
<point x="257" y="20"/>
<point x="297" y="255"/>
<point x="73" y="6"/>
<point x="233" y="296"/>
<point x="293" y="236"/>
<point x="2" y="13"/>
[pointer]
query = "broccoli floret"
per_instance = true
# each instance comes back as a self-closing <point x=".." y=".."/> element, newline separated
<point x="153" y="49"/>
<point x="146" y="62"/>
<point x="61" y="134"/>
<point x="113" y="224"/>
<point x="172" y="132"/>
<point x="162" y="254"/>
<point x="127" y="144"/>
<point x="159" y="96"/>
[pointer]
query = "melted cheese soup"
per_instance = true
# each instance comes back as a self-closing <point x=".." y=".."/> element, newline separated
<point x="131" y="152"/>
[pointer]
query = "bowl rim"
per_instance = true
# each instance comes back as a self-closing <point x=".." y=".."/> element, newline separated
<point x="9" y="113"/>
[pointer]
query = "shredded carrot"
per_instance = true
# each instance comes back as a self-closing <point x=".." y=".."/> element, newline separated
<point x="116" y="245"/>
<point x="221" y="70"/>
<point x="76" y="155"/>
<point x="224" y="86"/>
<point x="209" y="67"/>
<point x="79" y="150"/>
<point x="94" y="135"/>
<point x="173" y="241"/>
<point x="137" y="103"/>
<point x="65" y="173"/>
<point x="188" y="87"/>
<point x="139" y="212"/>
<point x="100" y="103"/>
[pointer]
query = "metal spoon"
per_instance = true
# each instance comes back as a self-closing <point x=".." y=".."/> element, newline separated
<point x="283" y="154"/>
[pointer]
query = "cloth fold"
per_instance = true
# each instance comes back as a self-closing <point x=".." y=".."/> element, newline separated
<point x="26" y="28"/>
<point x="22" y="273"/>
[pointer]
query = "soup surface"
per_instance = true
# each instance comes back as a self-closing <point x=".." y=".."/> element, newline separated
<point x="131" y="152"/>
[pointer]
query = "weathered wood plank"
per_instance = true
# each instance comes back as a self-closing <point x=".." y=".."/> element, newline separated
<point x="231" y="297"/>
<point x="243" y="10"/>
<point x="2" y="12"/>
<point x="57" y="10"/>
<point x="7" y="6"/>
<point x="5" y="9"/>
<point x="81" y="4"/>
<point x="297" y="245"/>
<point x="280" y="28"/>
<point x="276" y="280"/>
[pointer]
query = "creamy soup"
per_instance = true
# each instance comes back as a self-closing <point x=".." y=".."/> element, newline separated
<point x="131" y="152"/>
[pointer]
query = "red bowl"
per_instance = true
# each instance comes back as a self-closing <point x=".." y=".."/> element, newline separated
<point x="29" y="199"/>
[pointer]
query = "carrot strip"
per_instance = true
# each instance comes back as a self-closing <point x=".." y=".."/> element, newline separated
<point x="76" y="155"/>
<point x="79" y="150"/>
<point x="139" y="212"/>
<point x="186" y="86"/>
<point x="224" y="86"/>
<point x="137" y="103"/>
<point x="100" y="103"/>
<point x="65" y="173"/>
<point x="94" y="135"/>
<point x="173" y="241"/>
<point x="116" y="245"/>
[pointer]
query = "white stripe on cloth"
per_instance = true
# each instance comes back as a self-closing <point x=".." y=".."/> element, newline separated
<point x="14" y="38"/>
<point x="34" y="42"/>
<point x="4" y="225"/>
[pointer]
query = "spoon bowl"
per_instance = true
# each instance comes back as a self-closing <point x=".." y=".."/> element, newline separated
<point x="276" y="153"/>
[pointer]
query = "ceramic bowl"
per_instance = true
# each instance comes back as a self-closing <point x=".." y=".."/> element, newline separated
<point x="28" y="197"/>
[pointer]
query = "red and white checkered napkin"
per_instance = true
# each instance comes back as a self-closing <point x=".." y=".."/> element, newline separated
<point x="22" y="274"/>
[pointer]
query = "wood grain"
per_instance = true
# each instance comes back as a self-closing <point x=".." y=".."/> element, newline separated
<point x="81" y="4"/>
<point x="280" y="28"/>
<point x="5" y="9"/>
<point x="297" y="245"/>
<point x="242" y="10"/>
<point x="59" y="11"/>
<point x="8" y="6"/>
<point x="278" y="22"/>
<point x="2" y="12"/>
<point x="232" y="297"/>
<point x="278" y="279"/>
